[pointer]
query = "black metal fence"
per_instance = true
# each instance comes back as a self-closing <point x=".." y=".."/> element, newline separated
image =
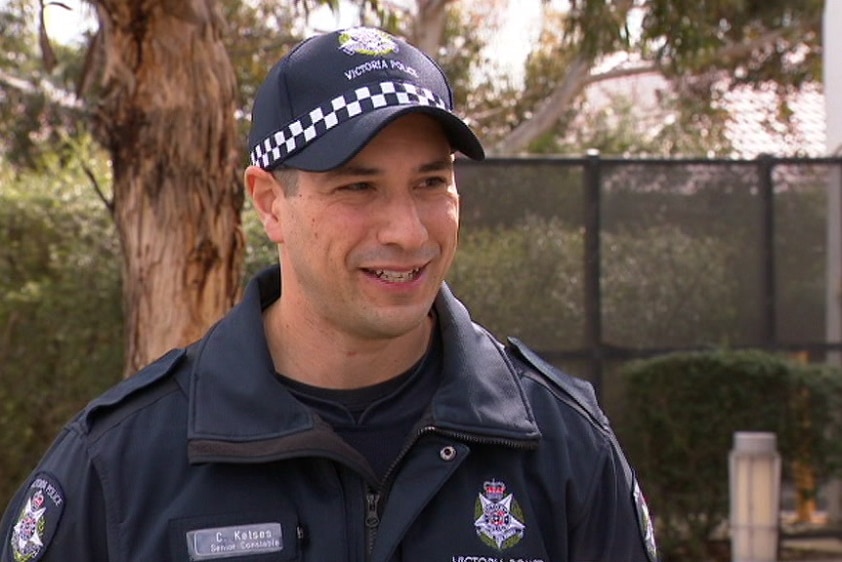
<point x="596" y="261"/>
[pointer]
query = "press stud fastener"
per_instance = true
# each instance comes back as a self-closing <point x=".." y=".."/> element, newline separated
<point x="447" y="453"/>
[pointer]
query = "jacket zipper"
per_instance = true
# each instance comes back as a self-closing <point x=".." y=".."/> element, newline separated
<point x="470" y="438"/>
<point x="373" y="497"/>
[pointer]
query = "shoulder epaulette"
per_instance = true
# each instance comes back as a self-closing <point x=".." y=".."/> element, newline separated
<point x="577" y="392"/>
<point x="140" y="384"/>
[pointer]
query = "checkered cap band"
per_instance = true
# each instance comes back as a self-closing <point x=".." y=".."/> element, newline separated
<point x="297" y="134"/>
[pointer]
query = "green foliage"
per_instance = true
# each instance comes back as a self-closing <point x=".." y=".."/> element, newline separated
<point x="60" y="308"/>
<point x="598" y="26"/>
<point x="682" y="411"/>
<point x="685" y="38"/>
<point x="674" y="240"/>
<point x="489" y="275"/>
<point x="544" y="68"/>
<point x="260" y="251"/>
<point x="691" y="33"/>
<point x="619" y="129"/>
<point x="499" y="271"/>
<point x="16" y="39"/>
<point x="461" y="55"/>
<point x="258" y="34"/>
<point x="712" y="46"/>
<point x="800" y="254"/>
<point x="662" y="276"/>
<point x="33" y="122"/>
<point x="704" y="50"/>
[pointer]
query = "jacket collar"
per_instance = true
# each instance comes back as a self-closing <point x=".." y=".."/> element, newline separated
<point x="236" y="397"/>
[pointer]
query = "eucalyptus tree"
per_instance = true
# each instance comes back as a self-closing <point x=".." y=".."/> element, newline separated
<point x="703" y="47"/>
<point x="159" y="91"/>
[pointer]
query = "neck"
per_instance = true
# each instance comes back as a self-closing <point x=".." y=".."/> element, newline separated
<point x="300" y="352"/>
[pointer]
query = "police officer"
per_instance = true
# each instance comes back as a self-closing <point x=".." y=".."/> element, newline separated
<point x="347" y="409"/>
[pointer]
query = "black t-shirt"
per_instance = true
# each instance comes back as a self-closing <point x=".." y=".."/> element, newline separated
<point x="376" y="420"/>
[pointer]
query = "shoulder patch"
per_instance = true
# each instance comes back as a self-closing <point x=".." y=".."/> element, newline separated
<point x="644" y="521"/>
<point x="38" y="519"/>
<point x="578" y="391"/>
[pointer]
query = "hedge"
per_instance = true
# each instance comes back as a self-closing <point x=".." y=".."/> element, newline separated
<point x="682" y="411"/>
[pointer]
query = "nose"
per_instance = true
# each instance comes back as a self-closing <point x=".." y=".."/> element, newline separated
<point x="402" y="222"/>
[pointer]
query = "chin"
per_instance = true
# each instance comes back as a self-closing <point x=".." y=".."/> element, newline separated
<point x="394" y="325"/>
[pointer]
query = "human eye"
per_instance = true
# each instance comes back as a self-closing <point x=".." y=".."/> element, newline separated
<point x="353" y="187"/>
<point x="434" y="182"/>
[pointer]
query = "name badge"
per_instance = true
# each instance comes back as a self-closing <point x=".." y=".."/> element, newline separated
<point x="239" y="540"/>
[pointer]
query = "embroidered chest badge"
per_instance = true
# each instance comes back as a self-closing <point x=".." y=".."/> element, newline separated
<point x="38" y="519"/>
<point x="498" y="518"/>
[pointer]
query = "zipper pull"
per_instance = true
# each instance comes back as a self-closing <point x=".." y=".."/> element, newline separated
<point x="372" y="518"/>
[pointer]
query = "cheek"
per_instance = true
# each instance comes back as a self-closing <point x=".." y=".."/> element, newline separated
<point x="333" y="233"/>
<point x="300" y="221"/>
<point x="445" y="220"/>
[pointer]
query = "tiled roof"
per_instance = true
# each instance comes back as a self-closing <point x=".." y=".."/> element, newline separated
<point x="756" y="126"/>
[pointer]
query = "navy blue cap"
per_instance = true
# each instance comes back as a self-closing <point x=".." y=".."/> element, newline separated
<point x="323" y="102"/>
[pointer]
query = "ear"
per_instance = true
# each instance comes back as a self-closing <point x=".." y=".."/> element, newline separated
<point x="265" y="193"/>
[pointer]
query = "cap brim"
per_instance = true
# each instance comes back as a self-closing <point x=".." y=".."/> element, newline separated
<point x="338" y="145"/>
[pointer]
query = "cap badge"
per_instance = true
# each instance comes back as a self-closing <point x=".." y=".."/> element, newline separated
<point x="366" y="41"/>
<point x="499" y="520"/>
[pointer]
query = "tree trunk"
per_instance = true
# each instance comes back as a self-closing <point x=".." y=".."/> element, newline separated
<point x="428" y="26"/>
<point x="805" y="491"/>
<point x="166" y="114"/>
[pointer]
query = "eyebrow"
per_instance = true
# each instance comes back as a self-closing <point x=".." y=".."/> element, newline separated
<point x="437" y="165"/>
<point x="360" y="170"/>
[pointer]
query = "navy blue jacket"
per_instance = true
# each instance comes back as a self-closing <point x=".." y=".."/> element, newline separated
<point x="205" y="455"/>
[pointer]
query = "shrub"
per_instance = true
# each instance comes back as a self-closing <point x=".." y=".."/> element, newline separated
<point x="61" y="337"/>
<point x="682" y="411"/>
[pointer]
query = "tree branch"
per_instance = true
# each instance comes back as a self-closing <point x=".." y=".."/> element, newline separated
<point x="578" y="78"/>
<point x="109" y="203"/>
<point x="738" y="50"/>
<point x="550" y="111"/>
<point x="63" y="98"/>
<point x="617" y="73"/>
<point x="48" y="56"/>
<point x="428" y="26"/>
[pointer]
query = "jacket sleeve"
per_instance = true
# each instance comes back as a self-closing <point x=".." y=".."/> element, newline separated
<point x="615" y="526"/>
<point x="59" y="512"/>
<point x="611" y="522"/>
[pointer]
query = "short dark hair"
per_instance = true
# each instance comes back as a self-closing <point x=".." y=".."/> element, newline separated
<point x="288" y="178"/>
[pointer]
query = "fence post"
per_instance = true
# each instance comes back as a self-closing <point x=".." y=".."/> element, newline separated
<point x="593" y="273"/>
<point x="833" y="306"/>
<point x="765" y="165"/>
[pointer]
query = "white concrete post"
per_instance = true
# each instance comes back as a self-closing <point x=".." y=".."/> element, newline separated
<point x="754" y="470"/>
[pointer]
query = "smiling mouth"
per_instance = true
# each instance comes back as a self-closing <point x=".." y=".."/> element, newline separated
<point x="396" y="276"/>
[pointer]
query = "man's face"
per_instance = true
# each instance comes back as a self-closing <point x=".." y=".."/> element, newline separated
<point x="365" y="247"/>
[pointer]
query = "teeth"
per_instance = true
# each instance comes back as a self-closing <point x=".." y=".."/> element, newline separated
<point x="397" y="276"/>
